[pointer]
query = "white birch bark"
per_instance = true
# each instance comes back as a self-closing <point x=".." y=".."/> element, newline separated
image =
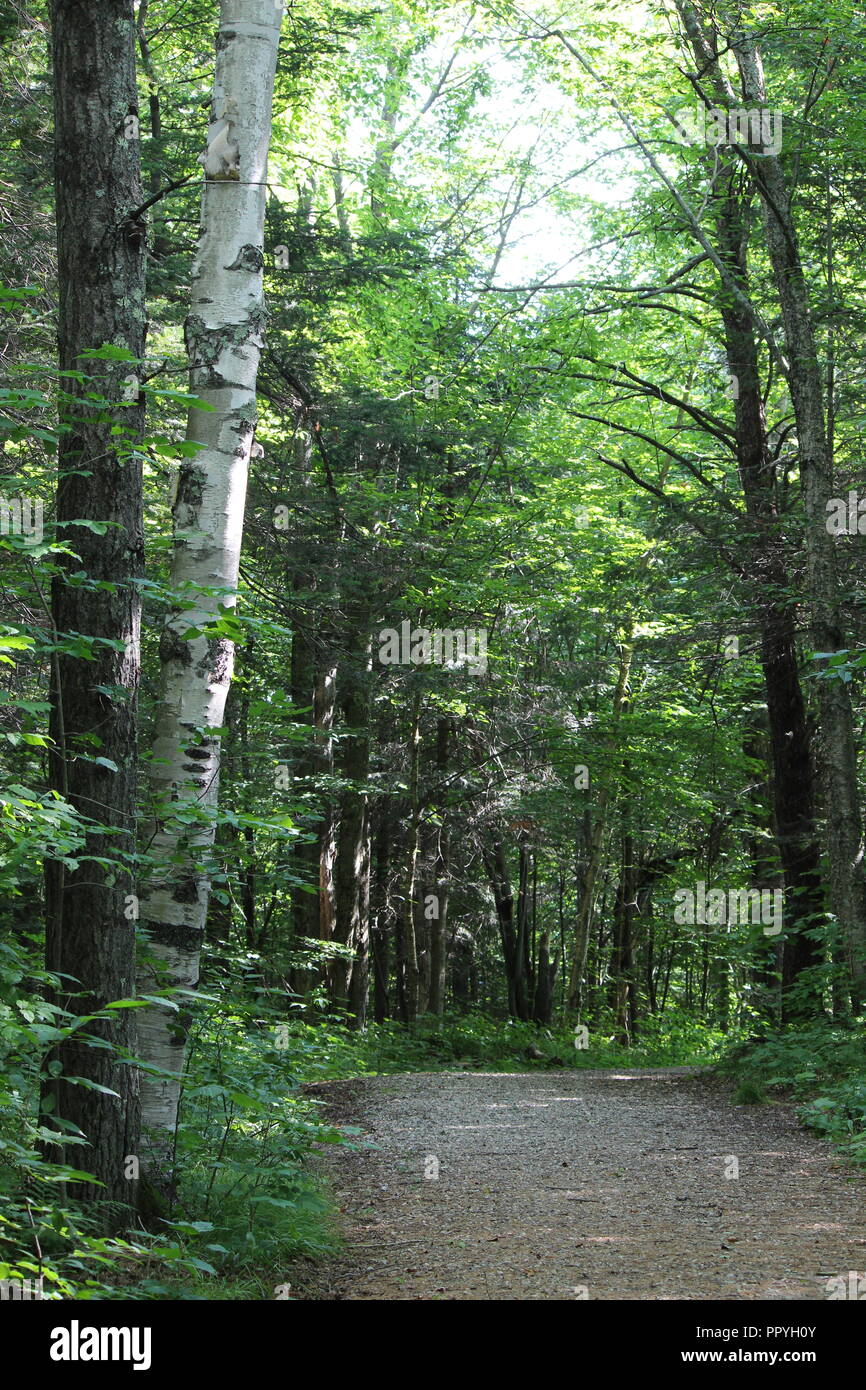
<point x="224" y="337"/>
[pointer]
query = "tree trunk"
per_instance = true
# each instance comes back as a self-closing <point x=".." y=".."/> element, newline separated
<point x="793" y="784"/>
<point x="766" y="957"/>
<point x="223" y="335"/>
<point x="359" y="995"/>
<point x="523" y="982"/>
<point x="91" y="910"/>
<point x="803" y="376"/>
<point x="407" y="946"/>
<point x="511" y="926"/>
<point x="314" y="692"/>
<point x="621" y="971"/>
<point x="839" y="758"/>
<point x="438" y="922"/>
<point x="314" y="689"/>
<point x="545" y="975"/>
<point x="351" y="876"/>
<point x="439" y="931"/>
<point x="380" y="916"/>
<point x="587" y="898"/>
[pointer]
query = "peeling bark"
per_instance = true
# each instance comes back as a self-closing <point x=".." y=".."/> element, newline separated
<point x="224" y="340"/>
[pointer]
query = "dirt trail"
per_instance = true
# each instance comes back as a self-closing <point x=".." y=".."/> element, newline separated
<point x="573" y="1184"/>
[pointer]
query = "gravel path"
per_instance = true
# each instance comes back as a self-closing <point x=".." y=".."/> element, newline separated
<point x="584" y="1184"/>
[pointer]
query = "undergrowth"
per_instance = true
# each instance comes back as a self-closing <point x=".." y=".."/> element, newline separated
<point x="823" y="1067"/>
<point x="248" y="1206"/>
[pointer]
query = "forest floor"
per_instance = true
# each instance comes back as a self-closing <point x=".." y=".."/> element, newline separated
<point x="582" y="1184"/>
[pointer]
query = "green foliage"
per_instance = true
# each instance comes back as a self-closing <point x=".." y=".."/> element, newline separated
<point x="42" y="1234"/>
<point x="823" y="1067"/>
<point x="246" y="1204"/>
<point x="245" y="1136"/>
<point x="839" y="1112"/>
<point x="477" y="1041"/>
<point x="749" y="1093"/>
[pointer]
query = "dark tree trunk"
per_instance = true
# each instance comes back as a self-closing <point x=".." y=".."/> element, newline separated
<point x="407" y="944"/>
<point x="649" y="967"/>
<point x="793" y="783"/>
<point x="803" y="374"/>
<point x="380" y="916"/>
<point x="439" y="921"/>
<point x="101" y="262"/>
<point x="542" y="1005"/>
<point x="766" y="958"/>
<point x="512" y="926"/>
<point x="838" y="751"/>
<point x="621" y="968"/>
<point x="461" y="954"/>
<point x="595" y="852"/>
<point x="359" y="992"/>
<point x="313" y="690"/>
<point x="348" y="977"/>
<point x="432" y="908"/>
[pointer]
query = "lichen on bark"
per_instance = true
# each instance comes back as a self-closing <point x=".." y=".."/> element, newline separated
<point x="173" y="648"/>
<point x="249" y="258"/>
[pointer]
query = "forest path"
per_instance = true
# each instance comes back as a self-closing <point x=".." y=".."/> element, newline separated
<point x="612" y="1182"/>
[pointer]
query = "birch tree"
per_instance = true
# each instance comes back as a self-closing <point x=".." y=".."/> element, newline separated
<point x="224" y="338"/>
